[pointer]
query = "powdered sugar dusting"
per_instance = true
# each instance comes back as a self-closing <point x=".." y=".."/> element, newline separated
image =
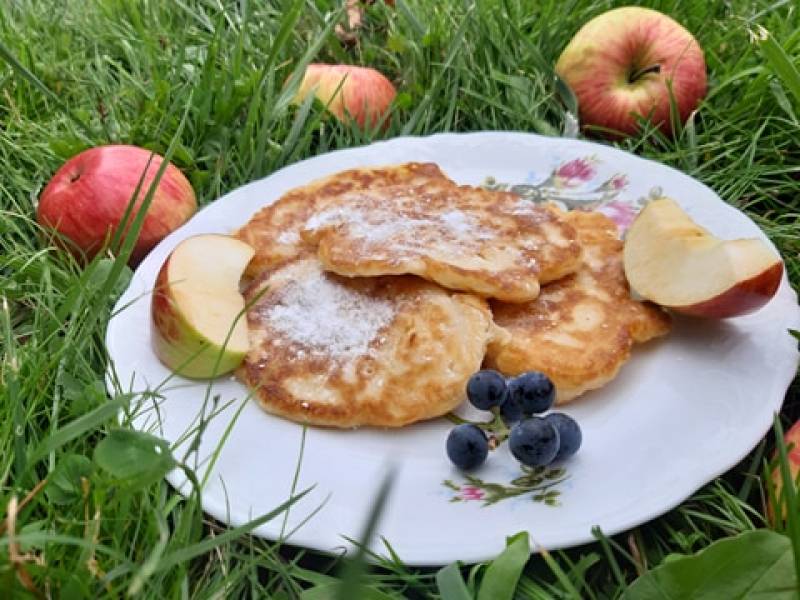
<point x="329" y="216"/>
<point x="456" y="222"/>
<point x="289" y="238"/>
<point x="377" y="225"/>
<point x="320" y="313"/>
<point x="524" y="207"/>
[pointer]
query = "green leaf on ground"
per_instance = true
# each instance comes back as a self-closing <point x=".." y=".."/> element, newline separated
<point x="754" y="564"/>
<point x="134" y="457"/>
<point x="64" y="483"/>
<point x="330" y="591"/>
<point x="503" y="573"/>
<point x="451" y="584"/>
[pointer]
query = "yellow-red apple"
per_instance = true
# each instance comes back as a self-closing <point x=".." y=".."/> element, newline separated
<point x="674" y="262"/>
<point x="792" y="440"/>
<point x="199" y="330"/>
<point x="87" y="198"/>
<point x="624" y="62"/>
<point x="360" y="93"/>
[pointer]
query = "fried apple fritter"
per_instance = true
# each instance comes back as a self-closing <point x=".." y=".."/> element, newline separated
<point x="494" y="244"/>
<point x="340" y="352"/>
<point x="274" y="231"/>
<point x="580" y="329"/>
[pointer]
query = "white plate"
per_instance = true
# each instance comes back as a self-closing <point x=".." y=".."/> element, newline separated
<point x="682" y="411"/>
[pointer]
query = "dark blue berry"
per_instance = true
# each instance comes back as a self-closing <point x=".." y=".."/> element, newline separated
<point x="467" y="446"/>
<point x="569" y="434"/>
<point x="486" y="389"/>
<point x="510" y="411"/>
<point x="533" y="392"/>
<point x="534" y="442"/>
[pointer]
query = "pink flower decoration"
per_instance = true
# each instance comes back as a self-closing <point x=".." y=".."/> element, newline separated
<point x="470" y="492"/>
<point x="617" y="182"/>
<point x="621" y="213"/>
<point x="575" y="171"/>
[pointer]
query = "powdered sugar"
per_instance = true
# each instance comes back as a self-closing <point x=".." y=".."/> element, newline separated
<point x="526" y="208"/>
<point x="456" y="222"/>
<point x="320" y="313"/>
<point x="378" y="225"/>
<point x="288" y="238"/>
<point x="378" y="230"/>
<point x="329" y="216"/>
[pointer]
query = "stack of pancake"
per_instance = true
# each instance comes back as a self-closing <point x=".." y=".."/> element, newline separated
<point x="375" y="294"/>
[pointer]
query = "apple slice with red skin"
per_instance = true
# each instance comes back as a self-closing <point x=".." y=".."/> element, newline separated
<point x="199" y="329"/>
<point x="674" y="262"/>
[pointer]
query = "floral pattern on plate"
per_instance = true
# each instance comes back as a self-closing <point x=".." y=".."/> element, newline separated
<point x="540" y="482"/>
<point x="573" y="185"/>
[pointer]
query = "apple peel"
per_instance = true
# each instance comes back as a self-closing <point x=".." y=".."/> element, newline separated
<point x="672" y="261"/>
<point x="199" y="328"/>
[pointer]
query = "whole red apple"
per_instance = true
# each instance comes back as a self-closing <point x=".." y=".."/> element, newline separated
<point x="624" y="62"/>
<point x="360" y="92"/>
<point x="87" y="198"/>
<point x="792" y="440"/>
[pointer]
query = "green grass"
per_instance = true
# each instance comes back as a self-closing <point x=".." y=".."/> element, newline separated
<point x="203" y="81"/>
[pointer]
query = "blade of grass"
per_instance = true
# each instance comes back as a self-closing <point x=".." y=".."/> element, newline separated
<point x="79" y="426"/>
<point x="789" y="499"/>
<point x="780" y="63"/>
<point x="15" y="64"/>
<point x="187" y="553"/>
<point x="355" y="568"/>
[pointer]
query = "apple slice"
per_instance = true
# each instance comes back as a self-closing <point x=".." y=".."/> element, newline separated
<point x="199" y="329"/>
<point x="674" y="262"/>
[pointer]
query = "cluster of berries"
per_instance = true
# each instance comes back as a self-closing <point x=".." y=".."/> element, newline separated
<point x="515" y="403"/>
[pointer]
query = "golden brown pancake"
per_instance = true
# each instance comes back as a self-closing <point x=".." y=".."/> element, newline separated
<point x="580" y="330"/>
<point x="340" y="352"/>
<point x="274" y="231"/>
<point x="494" y="244"/>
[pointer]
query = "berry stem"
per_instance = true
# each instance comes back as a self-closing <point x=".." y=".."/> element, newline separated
<point x="454" y="418"/>
<point x="496" y="429"/>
